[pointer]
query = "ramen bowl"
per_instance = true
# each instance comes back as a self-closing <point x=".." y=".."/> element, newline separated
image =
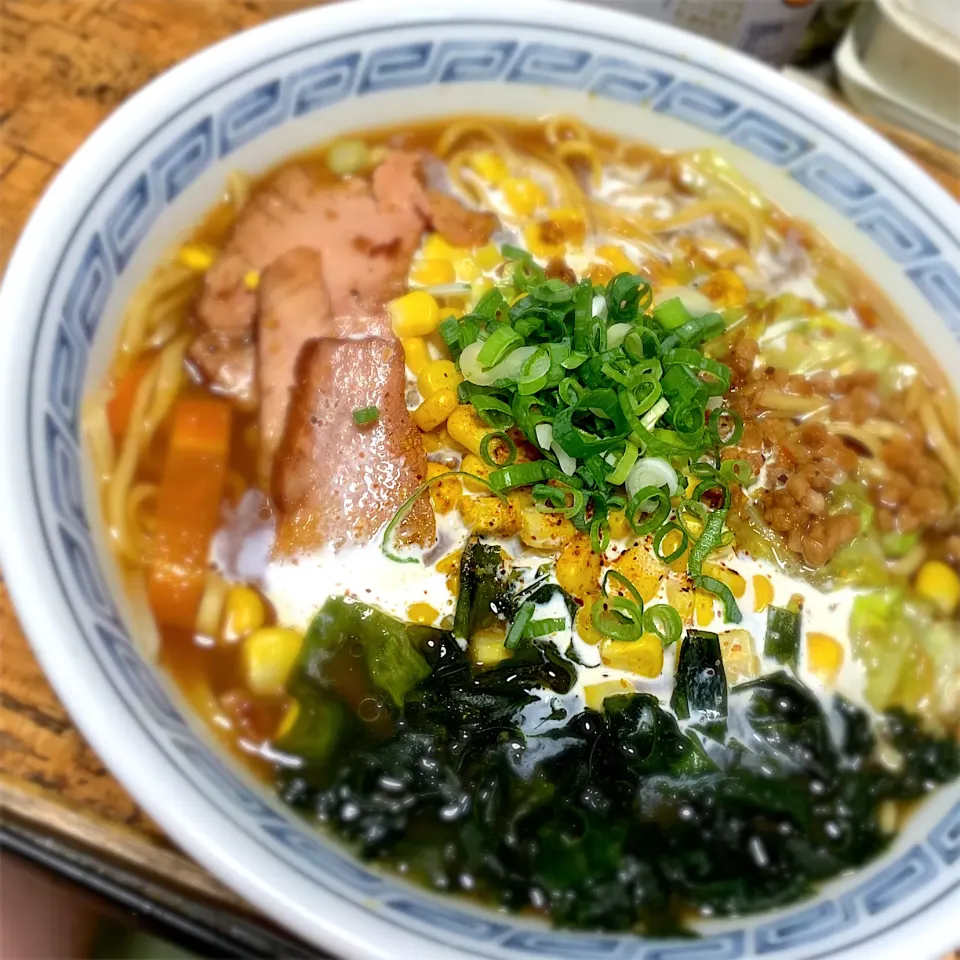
<point x="140" y="183"/>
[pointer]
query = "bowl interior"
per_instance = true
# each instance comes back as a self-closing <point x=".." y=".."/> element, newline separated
<point x="145" y="180"/>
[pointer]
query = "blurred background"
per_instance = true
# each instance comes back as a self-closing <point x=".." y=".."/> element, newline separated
<point x="74" y="846"/>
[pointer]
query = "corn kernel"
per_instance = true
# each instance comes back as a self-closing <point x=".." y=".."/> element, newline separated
<point x="486" y="646"/>
<point x="578" y="568"/>
<point x="824" y="657"/>
<point x="668" y="545"/>
<point x="703" y="606"/>
<point x="444" y="493"/>
<point x="450" y="567"/>
<point x="431" y="273"/>
<point x="762" y="593"/>
<point x="523" y="195"/>
<point x="939" y="584"/>
<point x="488" y="257"/>
<point x="422" y="613"/>
<point x="600" y="274"/>
<point x="736" y="583"/>
<point x="481" y="286"/>
<point x="542" y="531"/>
<point x="642" y="568"/>
<point x="596" y="693"/>
<point x="468" y="270"/>
<point x="416" y="354"/>
<point x="436" y="375"/>
<point x="618" y="260"/>
<point x="243" y="613"/>
<point x="489" y="166"/>
<point x="435" y="410"/>
<point x="415" y="314"/>
<point x="569" y="221"/>
<point x="438" y="346"/>
<point x="196" y="257"/>
<point x="433" y="440"/>
<point x="680" y="596"/>
<point x="643" y="656"/>
<point x="251" y="279"/>
<point x="544" y="240"/>
<point x="436" y="248"/>
<point x="212" y="603"/>
<point x="473" y="464"/>
<point x="288" y="719"/>
<point x="490" y="516"/>
<point x="587" y="632"/>
<point x="468" y="430"/>
<point x="620" y="527"/>
<point x="725" y="288"/>
<point x="268" y="657"/>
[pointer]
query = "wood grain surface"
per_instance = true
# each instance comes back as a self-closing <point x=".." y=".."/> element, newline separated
<point x="64" y="65"/>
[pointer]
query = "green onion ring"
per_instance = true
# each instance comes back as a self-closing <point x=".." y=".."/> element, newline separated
<point x="407" y="505"/>
<point x="662" y="620"/>
<point x="617" y="618"/>
<point x="662" y="534"/>
<point x="656" y="517"/>
<point x="485" y="449"/>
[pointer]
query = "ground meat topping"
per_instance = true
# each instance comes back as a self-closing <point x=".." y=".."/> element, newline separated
<point x="802" y="461"/>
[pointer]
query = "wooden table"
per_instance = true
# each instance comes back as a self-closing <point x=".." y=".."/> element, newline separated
<point x="64" y="65"/>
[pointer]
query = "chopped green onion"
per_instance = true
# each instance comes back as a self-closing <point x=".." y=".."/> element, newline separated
<point x="731" y="612"/>
<point x="736" y="431"/>
<point x="624" y="582"/>
<point x="502" y="341"/>
<point x="600" y="534"/>
<point x="618" y="476"/>
<point x="662" y="620"/>
<point x="525" y="474"/>
<point x="386" y="547"/>
<point x="656" y="514"/>
<point x="509" y="252"/>
<point x="707" y="542"/>
<point x="671" y="313"/>
<point x="487" y="457"/>
<point x="492" y="411"/>
<point x="617" y="618"/>
<point x="700" y="329"/>
<point x="545" y="626"/>
<point x="736" y="471"/>
<point x="661" y="535"/>
<point x="554" y="499"/>
<point x="519" y="625"/>
<point x="364" y="415"/>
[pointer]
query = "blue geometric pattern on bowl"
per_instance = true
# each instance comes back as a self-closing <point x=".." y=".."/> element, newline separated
<point x="107" y="249"/>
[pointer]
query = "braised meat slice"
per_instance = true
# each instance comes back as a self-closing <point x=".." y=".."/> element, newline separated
<point x="334" y="481"/>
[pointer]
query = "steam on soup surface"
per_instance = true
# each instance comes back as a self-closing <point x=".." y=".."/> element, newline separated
<point x="548" y="516"/>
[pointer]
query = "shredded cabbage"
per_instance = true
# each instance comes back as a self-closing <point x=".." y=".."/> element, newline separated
<point x="909" y="659"/>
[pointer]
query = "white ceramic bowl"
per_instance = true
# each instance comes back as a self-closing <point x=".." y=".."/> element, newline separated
<point x="151" y="170"/>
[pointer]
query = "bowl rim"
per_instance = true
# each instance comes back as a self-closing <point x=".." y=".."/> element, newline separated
<point x="202" y="832"/>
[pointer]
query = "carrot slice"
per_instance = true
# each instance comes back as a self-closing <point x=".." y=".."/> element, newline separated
<point x="188" y="508"/>
<point x="120" y="405"/>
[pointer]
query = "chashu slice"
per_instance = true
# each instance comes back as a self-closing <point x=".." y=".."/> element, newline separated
<point x="334" y="482"/>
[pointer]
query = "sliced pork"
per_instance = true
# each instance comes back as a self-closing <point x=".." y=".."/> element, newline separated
<point x="366" y="249"/>
<point x="294" y="308"/>
<point x="332" y="480"/>
<point x="366" y="234"/>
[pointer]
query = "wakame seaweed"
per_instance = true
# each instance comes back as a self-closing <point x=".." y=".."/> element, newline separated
<point x="483" y="781"/>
